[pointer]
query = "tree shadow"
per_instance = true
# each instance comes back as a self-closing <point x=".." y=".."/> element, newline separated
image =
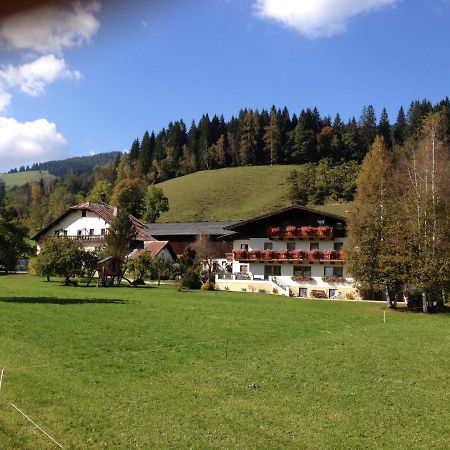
<point x="445" y="310"/>
<point x="62" y="301"/>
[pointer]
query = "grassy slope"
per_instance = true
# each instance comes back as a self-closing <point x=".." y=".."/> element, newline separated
<point x="228" y="194"/>
<point x="17" y="179"/>
<point x="150" y="368"/>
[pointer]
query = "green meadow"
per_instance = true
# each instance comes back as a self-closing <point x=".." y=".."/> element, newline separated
<point x="20" y="178"/>
<point x="232" y="193"/>
<point x="149" y="367"/>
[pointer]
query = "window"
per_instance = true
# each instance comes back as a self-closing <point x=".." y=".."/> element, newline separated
<point x="272" y="271"/>
<point x="291" y="245"/>
<point x="332" y="293"/>
<point x="65" y="232"/>
<point x="78" y="232"/>
<point x="91" y="232"/>
<point x="56" y="232"/>
<point x="243" y="268"/>
<point x="268" y="246"/>
<point x="314" y="246"/>
<point x="302" y="270"/>
<point x="338" y="246"/>
<point x="303" y="292"/>
<point x="321" y="222"/>
<point x="102" y="231"/>
<point x="244" y="246"/>
<point x="333" y="271"/>
<point x="83" y="213"/>
<point x="339" y="226"/>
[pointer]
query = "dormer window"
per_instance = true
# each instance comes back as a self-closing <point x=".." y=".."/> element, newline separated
<point x="83" y="213"/>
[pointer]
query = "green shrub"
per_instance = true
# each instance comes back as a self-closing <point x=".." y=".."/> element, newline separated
<point x="191" y="280"/>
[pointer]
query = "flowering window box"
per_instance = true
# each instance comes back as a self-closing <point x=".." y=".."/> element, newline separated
<point x="330" y="255"/>
<point x="315" y="255"/>
<point x="297" y="255"/>
<point x="276" y="232"/>
<point x="291" y="231"/>
<point x="282" y="254"/>
<point x="267" y="255"/>
<point x="333" y="279"/>
<point x="307" y="231"/>
<point x="324" y="232"/>
<point x="240" y="254"/>
<point x="301" y="278"/>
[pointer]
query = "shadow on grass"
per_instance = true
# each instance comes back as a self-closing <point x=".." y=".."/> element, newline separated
<point x="61" y="301"/>
<point x="417" y="310"/>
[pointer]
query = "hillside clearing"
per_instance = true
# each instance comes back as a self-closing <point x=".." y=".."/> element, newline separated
<point x="20" y="178"/>
<point x="231" y="193"/>
<point x="154" y="368"/>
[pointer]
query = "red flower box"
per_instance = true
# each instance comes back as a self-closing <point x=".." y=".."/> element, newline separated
<point x="307" y="231"/>
<point x="314" y="255"/>
<point x="324" y="231"/>
<point x="297" y="254"/>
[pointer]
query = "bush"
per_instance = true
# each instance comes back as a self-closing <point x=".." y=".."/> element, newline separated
<point x="208" y="286"/>
<point x="191" y="280"/>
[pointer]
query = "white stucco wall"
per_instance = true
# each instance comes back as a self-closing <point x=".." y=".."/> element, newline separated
<point x="286" y="268"/>
<point x="74" y="222"/>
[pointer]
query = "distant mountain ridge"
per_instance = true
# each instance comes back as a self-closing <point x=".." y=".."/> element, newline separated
<point x="77" y="164"/>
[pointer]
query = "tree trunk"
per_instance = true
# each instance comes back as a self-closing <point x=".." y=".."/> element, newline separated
<point x="424" y="302"/>
<point x="388" y="298"/>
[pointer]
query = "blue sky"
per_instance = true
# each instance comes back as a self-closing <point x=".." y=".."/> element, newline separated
<point x="91" y="77"/>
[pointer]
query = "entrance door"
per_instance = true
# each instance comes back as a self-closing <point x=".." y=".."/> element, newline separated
<point x="271" y="271"/>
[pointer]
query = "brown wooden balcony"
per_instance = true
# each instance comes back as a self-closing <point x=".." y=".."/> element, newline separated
<point x="288" y="255"/>
<point x="307" y="232"/>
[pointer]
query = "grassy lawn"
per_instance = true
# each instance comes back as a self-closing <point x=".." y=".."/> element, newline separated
<point x="19" y="178"/>
<point x="122" y="368"/>
<point x="216" y="194"/>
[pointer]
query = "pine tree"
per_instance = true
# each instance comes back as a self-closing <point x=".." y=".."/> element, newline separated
<point x="368" y="126"/>
<point x="145" y="154"/>
<point x="384" y="128"/>
<point x="134" y="150"/>
<point x="400" y="128"/>
<point x="249" y="135"/>
<point x="272" y="138"/>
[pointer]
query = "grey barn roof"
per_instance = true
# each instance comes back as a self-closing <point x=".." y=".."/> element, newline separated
<point x="190" y="228"/>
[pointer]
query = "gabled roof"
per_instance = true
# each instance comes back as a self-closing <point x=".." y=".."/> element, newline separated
<point x="105" y="212"/>
<point x="295" y="207"/>
<point x="154" y="248"/>
<point x="189" y="228"/>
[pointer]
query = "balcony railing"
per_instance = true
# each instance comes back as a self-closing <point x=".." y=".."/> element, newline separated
<point x="87" y="237"/>
<point x="287" y="255"/>
<point x="292" y="232"/>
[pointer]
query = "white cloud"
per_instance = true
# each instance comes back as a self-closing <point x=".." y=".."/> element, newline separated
<point x="316" y="18"/>
<point x="32" y="77"/>
<point x="5" y="100"/>
<point x="52" y="28"/>
<point x="23" y="143"/>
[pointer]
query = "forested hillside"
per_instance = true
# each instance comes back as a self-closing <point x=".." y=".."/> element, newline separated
<point x="77" y="164"/>
<point x="305" y="158"/>
<point x="272" y="136"/>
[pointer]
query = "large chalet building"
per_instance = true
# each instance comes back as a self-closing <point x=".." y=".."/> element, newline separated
<point x="293" y="251"/>
<point x="296" y="251"/>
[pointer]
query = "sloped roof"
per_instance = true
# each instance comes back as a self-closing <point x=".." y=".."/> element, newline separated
<point x="154" y="248"/>
<point x="105" y="212"/>
<point x="235" y="226"/>
<point x="190" y="228"/>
